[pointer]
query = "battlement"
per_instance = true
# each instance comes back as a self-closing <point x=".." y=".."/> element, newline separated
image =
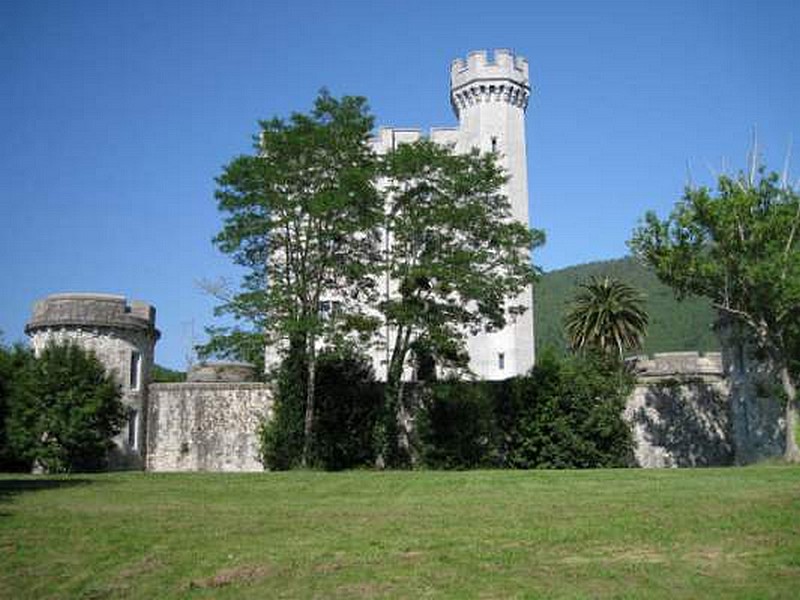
<point x="91" y="311"/>
<point x="481" y="79"/>
<point x="388" y="138"/>
<point x="678" y="365"/>
<point x="503" y="65"/>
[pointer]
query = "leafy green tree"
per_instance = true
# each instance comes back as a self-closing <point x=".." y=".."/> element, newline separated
<point x="65" y="409"/>
<point x="458" y="259"/>
<point x="607" y="315"/>
<point x="740" y="247"/>
<point x="302" y="219"/>
<point x="13" y="363"/>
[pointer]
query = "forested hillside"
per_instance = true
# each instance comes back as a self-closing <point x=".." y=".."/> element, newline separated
<point x="673" y="326"/>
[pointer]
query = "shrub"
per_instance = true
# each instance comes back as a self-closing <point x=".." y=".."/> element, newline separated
<point x="282" y="435"/>
<point x="13" y="362"/>
<point x="567" y="414"/>
<point x="457" y="428"/>
<point x="348" y="401"/>
<point x="65" y="409"/>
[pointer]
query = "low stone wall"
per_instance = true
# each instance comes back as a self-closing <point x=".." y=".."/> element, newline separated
<point x="206" y="426"/>
<point x="680" y="412"/>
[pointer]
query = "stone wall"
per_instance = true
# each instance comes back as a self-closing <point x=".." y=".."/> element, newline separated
<point x="206" y="426"/>
<point x="680" y="412"/>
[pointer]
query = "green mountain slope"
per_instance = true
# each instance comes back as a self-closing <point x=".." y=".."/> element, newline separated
<point x="673" y="326"/>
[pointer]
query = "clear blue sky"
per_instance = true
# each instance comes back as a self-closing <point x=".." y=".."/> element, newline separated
<point x="115" y="117"/>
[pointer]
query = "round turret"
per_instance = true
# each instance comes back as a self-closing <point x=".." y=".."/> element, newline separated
<point x="122" y="335"/>
<point x="480" y="80"/>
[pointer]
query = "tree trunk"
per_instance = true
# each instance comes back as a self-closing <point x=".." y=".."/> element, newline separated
<point x="791" y="451"/>
<point x="386" y="431"/>
<point x="308" y="426"/>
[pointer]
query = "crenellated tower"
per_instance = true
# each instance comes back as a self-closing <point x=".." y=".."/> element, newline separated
<point x="489" y="97"/>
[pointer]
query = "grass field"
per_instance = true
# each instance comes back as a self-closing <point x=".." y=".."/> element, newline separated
<point x="713" y="533"/>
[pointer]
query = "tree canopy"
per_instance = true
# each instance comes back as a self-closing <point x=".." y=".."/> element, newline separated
<point x="740" y="247"/>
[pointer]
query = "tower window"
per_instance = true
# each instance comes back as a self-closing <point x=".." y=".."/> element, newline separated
<point x="133" y="427"/>
<point x="136" y="368"/>
<point x="501" y="360"/>
<point x="494" y="144"/>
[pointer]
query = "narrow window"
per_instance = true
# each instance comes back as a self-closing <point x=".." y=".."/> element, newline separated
<point x="133" y="426"/>
<point x="136" y="367"/>
<point x="501" y="361"/>
<point x="740" y="366"/>
<point x="494" y="145"/>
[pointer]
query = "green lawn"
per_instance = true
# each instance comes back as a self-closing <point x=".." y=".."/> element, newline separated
<point x="483" y="534"/>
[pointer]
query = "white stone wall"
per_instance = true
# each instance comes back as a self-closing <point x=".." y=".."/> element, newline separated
<point x="206" y="426"/>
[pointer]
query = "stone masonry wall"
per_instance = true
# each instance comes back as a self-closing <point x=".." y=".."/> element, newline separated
<point x="680" y="411"/>
<point x="206" y="426"/>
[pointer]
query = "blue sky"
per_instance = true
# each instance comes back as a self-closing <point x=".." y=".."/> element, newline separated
<point x="115" y="117"/>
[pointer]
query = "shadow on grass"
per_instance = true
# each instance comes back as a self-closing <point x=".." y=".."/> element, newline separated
<point x="13" y="487"/>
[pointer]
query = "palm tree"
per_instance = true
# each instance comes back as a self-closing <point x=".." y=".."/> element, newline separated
<point x="607" y="315"/>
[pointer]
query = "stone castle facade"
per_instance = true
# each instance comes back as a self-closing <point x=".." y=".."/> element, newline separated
<point x="687" y="410"/>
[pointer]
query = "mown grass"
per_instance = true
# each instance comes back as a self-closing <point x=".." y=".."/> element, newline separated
<point x="482" y="534"/>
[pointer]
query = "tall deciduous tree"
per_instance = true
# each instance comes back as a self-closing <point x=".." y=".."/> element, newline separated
<point x="740" y="247"/>
<point x="302" y="218"/>
<point x="456" y="259"/>
<point x="606" y="315"/>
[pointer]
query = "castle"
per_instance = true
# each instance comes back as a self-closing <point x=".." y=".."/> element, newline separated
<point x="687" y="410"/>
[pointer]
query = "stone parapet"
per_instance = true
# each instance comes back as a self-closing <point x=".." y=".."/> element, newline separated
<point x="678" y="365"/>
<point x="235" y="372"/>
<point x="91" y="311"/>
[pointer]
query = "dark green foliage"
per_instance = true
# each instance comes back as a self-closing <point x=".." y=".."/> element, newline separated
<point x="282" y="437"/>
<point x="566" y="414"/>
<point x="64" y="411"/>
<point x="457" y="426"/>
<point x="161" y="374"/>
<point x="348" y="400"/>
<point x="14" y="362"/>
